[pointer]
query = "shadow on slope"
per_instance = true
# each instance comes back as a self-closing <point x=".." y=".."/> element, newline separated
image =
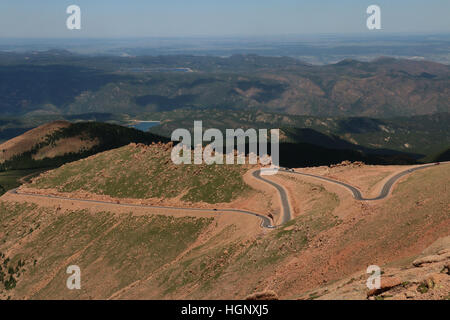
<point x="310" y="136"/>
<point x="109" y="136"/>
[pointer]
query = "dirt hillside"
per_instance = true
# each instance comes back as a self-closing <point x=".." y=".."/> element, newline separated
<point x="155" y="253"/>
<point x="30" y="139"/>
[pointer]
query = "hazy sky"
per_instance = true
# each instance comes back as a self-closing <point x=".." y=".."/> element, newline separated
<point x="141" y="18"/>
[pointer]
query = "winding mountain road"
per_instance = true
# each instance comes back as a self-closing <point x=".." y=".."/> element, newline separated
<point x="283" y="195"/>
<point x="265" y="221"/>
<point x="356" y="193"/>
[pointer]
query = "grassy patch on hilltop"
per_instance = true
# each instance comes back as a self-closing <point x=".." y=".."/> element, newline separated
<point x="147" y="172"/>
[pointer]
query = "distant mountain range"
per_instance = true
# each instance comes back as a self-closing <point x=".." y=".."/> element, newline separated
<point x="60" y="82"/>
<point x="384" y="111"/>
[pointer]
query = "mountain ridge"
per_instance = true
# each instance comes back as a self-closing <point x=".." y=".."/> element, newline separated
<point x="74" y="84"/>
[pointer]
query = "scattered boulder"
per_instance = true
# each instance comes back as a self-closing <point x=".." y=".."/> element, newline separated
<point x="347" y="163"/>
<point x="386" y="285"/>
<point x="410" y="294"/>
<point x="436" y="279"/>
<point x="431" y="259"/>
<point x="263" y="295"/>
<point x="446" y="268"/>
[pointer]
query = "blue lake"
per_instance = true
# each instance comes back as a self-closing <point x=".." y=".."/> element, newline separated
<point x="145" y="125"/>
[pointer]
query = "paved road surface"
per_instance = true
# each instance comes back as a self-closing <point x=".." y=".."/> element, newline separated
<point x="356" y="193"/>
<point x="283" y="194"/>
<point x="265" y="221"/>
